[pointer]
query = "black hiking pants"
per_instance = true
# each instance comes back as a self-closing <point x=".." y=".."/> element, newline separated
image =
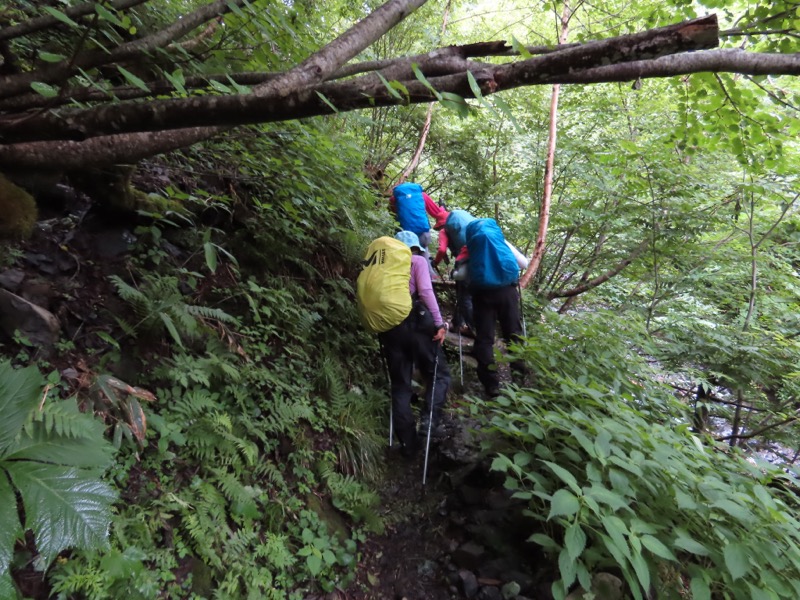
<point x="490" y="306"/>
<point x="463" y="314"/>
<point x="403" y="347"/>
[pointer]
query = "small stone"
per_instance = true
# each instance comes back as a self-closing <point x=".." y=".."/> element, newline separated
<point x="510" y="590"/>
<point x="469" y="583"/>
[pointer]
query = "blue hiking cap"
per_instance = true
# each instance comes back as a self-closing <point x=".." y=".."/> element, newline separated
<point x="410" y="239"/>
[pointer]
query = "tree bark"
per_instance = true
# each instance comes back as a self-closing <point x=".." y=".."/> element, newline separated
<point x="547" y="191"/>
<point x="289" y="97"/>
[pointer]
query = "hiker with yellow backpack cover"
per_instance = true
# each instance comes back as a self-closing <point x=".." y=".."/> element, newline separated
<point x="396" y="301"/>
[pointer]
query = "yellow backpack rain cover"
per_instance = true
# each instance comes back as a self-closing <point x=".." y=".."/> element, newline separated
<point x="382" y="286"/>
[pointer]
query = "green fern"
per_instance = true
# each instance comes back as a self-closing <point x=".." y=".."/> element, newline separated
<point x="354" y="499"/>
<point x="159" y="304"/>
<point x="63" y="419"/>
<point x="355" y="417"/>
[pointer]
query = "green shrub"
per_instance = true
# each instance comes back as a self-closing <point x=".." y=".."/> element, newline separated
<point x="617" y="480"/>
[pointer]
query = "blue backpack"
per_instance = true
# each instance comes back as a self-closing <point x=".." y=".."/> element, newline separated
<point x="456" y="229"/>
<point x="410" y="207"/>
<point x="491" y="262"/>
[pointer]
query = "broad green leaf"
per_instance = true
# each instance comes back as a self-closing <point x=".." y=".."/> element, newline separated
<point x="170" y="325"/>
<point x="108" y="339"/>
<point x="327" y="102"/>
<point x="641" y="569"/>
<point x="210" y="250"/>
<point x="758" y="593"/>
<point x="616" y="530"/>
<point x="602" y="443"/>
<point x="521" y="48"/>
<point x="60" y="16"/>
<point x="240" y="89"/>
<point x="389" y="88"/>
<point x="564" y="476"/>
<point x="219" y="86"/>
<point x="455" y="103"/>
<point x="65" y="508"/>
<point x="544" y="540"/>
<point x="608" y="497"/>
<point x="501" y="463"/>
<point x="733" y="509"/>
<point x="736" y="560"/>
<point x="584" y="577"/>
<point x="567" y="569"/>
<point x="690" y="545"/>
<point x="10" y="527"/>
<point x="7" y="589"/>
<point x="473" y="85"/>
<point x="133" y="79"/>
<point x="20" y="393"/>
<point x="700" y="589"/>
<point x="421" y="77"/>
<point x="765" y="497"/>
<point x="50" y="57"/>
<point x="177" y="80"/>
<point x="81" y="452"/>
<point x="44" y="89"/>
<point x="109" y="16"/>
<point x="656" y="547"/>
<point x="314" y="563"/>
<point x="522" y="459"/>
<point x="685" y="501"/>
<point x="563" y="503"/>
<point x="574" y="540"/>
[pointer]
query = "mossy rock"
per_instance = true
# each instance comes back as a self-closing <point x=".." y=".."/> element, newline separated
<point x="18" y="211"/>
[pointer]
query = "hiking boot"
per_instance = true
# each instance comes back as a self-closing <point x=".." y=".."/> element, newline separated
<point x="437" y="431"/>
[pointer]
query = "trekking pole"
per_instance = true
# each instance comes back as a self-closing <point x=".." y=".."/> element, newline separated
<point x="430" y="418"/>
<point x="391" y="404"/>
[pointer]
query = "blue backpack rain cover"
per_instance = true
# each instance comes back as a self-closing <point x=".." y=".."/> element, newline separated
<point x="410" y="207"/>
<point x="456" y="229"/>
<point x="491" y="262"/>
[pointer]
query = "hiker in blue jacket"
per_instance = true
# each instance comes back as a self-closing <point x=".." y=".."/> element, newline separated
<point x="493" y="272"/>
<point x="452" y="236"/>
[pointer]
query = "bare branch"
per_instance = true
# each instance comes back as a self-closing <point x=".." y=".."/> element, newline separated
<point x="593" y="283"/>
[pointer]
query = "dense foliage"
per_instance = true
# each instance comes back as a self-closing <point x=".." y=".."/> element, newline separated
<point x="607" y="461"/>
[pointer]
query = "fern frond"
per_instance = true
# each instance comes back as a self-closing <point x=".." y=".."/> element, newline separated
<point x="214" y="314"/>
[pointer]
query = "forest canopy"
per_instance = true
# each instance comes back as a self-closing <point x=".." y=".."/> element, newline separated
<point x="88" y="83"/>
